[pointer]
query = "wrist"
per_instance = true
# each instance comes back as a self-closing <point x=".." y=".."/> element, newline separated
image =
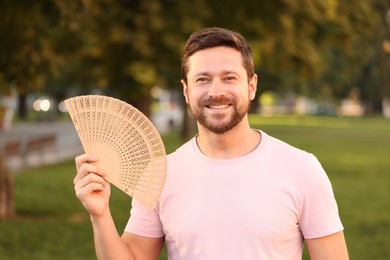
<point x="104" y="217"/>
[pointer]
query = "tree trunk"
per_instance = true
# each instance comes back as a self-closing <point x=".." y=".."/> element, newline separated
<point x="143" y="104"/>
<point x="7" y="209"/>
<point x="22" y="106"/>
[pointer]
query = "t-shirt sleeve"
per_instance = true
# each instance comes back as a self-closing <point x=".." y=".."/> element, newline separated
<point x="144" y="221"/>
<point x="319" y="215"/>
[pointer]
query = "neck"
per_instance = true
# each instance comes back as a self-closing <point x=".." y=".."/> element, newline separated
<point x="234" y="143"/>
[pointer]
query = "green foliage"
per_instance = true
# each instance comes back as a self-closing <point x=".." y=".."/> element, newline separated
<point x="51" y="223"/>
<point x="126" y="47"/>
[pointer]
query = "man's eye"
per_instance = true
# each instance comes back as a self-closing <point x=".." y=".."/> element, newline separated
<point x="230" y="78"/>
<point x="201" y="80"/>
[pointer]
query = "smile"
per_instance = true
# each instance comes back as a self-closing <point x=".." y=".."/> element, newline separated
<point x="219" y="106"/>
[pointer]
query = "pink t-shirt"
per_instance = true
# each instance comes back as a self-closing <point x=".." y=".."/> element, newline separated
<point x="258" y="206"/>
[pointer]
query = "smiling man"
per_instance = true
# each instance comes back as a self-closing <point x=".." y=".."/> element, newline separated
<point x="232" y="192"/>
<point x="220" y="90"/>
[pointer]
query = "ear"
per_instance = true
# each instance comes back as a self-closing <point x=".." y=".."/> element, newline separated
<point x="185" y="90"/>
<point x="253" y="87"/>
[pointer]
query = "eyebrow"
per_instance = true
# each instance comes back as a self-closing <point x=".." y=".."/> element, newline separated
<point x="224" y="72"/>
<point x="201" y="74"/>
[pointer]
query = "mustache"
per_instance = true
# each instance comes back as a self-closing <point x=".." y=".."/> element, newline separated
<point x="216" y="101"/>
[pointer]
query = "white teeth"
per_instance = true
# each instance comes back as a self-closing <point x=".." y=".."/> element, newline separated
<point x="220" y="106"/>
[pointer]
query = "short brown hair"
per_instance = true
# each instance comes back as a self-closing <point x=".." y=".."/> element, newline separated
<point x="215" y="37"/>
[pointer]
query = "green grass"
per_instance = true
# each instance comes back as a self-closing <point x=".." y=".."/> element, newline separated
<point x="51" y="223"/>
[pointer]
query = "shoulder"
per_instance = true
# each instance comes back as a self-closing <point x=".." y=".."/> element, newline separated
<point x="281" y="150"/>
<point x="293" y="163"/>
<point x="183" y="151"/>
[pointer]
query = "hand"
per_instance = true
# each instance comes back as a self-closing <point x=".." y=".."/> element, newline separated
<point x="90" y="186"/>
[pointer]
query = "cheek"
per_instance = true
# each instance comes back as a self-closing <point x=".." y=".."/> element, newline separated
<point x="193" y="96"/>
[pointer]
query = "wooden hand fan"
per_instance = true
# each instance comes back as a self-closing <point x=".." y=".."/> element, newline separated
<point x="129" y="147"/>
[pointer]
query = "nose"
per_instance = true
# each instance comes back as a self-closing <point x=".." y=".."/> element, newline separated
<point x="216" y="88"/>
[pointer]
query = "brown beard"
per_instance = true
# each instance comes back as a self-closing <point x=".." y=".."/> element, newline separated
<point x="236" y="117"/>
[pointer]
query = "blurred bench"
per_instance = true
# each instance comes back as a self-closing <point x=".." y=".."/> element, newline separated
<point x="12" y="148"/>
<point x="38" y="148"/>
<point x="40" y="143"/>
<point x="33" y="151"/>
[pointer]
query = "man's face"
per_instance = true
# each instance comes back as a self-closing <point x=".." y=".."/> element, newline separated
<point x="217" y="89"/>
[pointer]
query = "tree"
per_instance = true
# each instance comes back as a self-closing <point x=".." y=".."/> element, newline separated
<point x="36" y="42"/>
<point x="7" y="209"/>
<point x="311" y="47"/>
<point x="127" y="47"/>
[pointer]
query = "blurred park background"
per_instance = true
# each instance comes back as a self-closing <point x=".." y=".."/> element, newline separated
<point x="324" y="86"/>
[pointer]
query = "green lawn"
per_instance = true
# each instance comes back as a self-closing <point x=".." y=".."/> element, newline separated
<point x="51" y="223"/>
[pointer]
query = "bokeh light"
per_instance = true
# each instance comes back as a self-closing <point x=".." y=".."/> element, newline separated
<point x="42" y="104"/>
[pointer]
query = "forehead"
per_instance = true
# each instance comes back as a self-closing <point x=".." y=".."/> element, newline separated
<point x="213" y="60"/>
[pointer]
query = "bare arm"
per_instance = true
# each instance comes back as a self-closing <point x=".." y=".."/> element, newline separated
<point x="328" y="248"/>
<point x="94" y="192"/>
<point x="109" y="245"/>
<point x="143" y="247"/>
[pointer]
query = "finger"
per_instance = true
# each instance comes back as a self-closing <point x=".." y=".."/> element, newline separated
<point x="84" y="158"/>
<point x="89" y="179"/>
<point x="85" y="191"/>
<point x="86" y="169"/>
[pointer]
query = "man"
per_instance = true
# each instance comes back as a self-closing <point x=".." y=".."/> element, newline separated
<point x="231" y="192"/>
